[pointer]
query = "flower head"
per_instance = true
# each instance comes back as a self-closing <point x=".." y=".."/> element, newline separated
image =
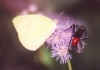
<point x="64" y="39"/>
<point x="59" y="42"/>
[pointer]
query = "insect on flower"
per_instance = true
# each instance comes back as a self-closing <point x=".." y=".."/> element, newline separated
<point x="79" y="34"/>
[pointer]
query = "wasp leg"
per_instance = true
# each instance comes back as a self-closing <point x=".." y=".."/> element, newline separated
<point x="80" y="46"/>
<point x="76" y="27"/>
<point x="72" y="30"/>
<point x="84" y="36"/>
<point x="72" y="26"/>
<point x="83" y="44"/>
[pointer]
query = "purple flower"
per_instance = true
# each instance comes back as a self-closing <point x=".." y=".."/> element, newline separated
<point x="60" y="41"/>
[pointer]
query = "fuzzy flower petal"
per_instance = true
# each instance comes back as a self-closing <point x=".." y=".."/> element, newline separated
<point x="59" y="42"/>
<point x="61" y="52"/>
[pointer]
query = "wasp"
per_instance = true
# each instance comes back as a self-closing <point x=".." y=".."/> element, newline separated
<point x="79" y="33"/>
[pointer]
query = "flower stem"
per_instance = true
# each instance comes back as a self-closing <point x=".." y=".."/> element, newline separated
<point x="69" y="65"/>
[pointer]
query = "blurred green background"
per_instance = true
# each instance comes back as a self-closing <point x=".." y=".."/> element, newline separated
<point x="13" y="56"/>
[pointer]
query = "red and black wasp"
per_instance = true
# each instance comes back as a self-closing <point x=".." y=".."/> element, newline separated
<point x="79" y="33"/>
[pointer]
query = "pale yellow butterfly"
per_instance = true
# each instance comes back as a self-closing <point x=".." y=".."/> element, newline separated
<point x="33" y="30"/>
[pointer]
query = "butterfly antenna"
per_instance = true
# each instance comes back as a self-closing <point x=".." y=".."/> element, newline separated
<point x="59" y="15"/>
<point x="56" y="20"/>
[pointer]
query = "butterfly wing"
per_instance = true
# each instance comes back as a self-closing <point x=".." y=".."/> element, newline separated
<point x="33" y="30"/>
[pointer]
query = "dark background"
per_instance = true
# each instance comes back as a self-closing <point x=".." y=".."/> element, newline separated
<point x="13" y="56"/>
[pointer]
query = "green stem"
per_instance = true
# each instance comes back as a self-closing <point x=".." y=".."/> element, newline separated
<point x="69" y="65"/>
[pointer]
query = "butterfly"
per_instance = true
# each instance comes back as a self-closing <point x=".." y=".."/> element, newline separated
<point x="33" y="30"/>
